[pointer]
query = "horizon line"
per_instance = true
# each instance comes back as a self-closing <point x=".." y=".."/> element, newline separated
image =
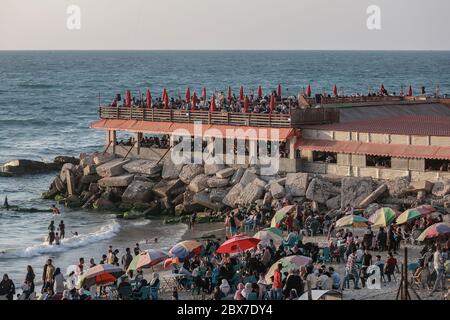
<point x="197" y="50"/>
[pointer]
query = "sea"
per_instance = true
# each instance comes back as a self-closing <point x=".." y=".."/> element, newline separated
<point x="49" y="98"/>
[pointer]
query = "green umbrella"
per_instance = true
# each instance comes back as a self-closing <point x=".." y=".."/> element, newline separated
<point x="353" y="221"/>
<point x="408" y="215"/>
<point x="288" y="263"/>
<point x="281" y="214"/>
<point x="383" y="217"/>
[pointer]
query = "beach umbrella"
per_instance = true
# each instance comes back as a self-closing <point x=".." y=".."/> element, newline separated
<point x="281" y="214"/>
<point x="434" y="231"/>
<point x="426" y="209"/>
<point x="238" y="243"/>
<point x="186" y="249"/>
<point x="259" y="91"/>
<point x="229" y="94"/>
<point x="101" y="274"/>
<point x="241" y="93"/>
<point x="128" y="98"/>
<point x="188" y="95"/>
<point x="279" y="90"/>
<point x="410" y="92"/>
<point x="166" y="101"/>
<point x="171" y="261"/>
<point x="308" y="90"/>
<point x="353" y="221"/>
<point x="147" y="259"/>
<point x="267" y="234"/>
<point x="272" y="103"/>
<point x="335" y="91"/>
<point x="149" y="98"/>
<point x="204" y="94"/>
<point x="288" y="263"/>
<point x="246" y="104"/>
<point x="382" y="89"/>
<point x="408" y="215"/>
<point x="383" y="217"/>
<point x="213" y="107"/>
<point x="164" y="94"/>
<point x="194" y="101"/>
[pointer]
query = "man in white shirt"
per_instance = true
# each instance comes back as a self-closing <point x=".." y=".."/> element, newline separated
<point x="438" y="264"/>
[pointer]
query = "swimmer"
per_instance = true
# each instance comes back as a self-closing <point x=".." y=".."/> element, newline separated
<point x="55" y="210"/>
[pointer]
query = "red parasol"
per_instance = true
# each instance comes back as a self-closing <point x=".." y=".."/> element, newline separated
<point x="272" y="103"/>
<point x="382" y="90"/>
<point x="238" y="243"/>
<point x="279" y="90"/>
<point x="241" y="93"/>
<point x="194" y="101"/>
<point x="335" y="91"/>
<point x="164" y="94"/>
<point x="166" y="100"/>
<point x="213" y="108"/>
<point x="204" y="94"/>
<point x="259" y="91"/>
<point x="188" y="95"/>
<point x="246" y="104"/>
<point x="229" y="94"/>
<point x="410" y="92"/>
<point x="128" y="99"/>
<point x="308" y="90"/>
<point x="149" y="99"/>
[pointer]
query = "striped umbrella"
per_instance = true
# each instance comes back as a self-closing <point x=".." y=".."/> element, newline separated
<point x="185" y="249"/>
<point x="288" y="263"/>
<point x="268" y="234"/>
<point x="353" y="221"/>
<point x="408" y="215"/>
<point x="434" y="231"/>
<point x="383" y="217"/>
<point x="238" y="243"/>
<point x="101" y="274"/>
<point x="171" y="261"/>
<point x="281" y="214"/>
<point x="147" y="259"/>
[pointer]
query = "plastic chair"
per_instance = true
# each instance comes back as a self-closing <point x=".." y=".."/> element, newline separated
<point x="326" y="255"/>
<point x="154" y="291"/>
<point x="252" y="296"/>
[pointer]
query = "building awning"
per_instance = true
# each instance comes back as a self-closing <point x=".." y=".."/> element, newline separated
<point x="375" y="149"/>
<point x="191" y="129"/>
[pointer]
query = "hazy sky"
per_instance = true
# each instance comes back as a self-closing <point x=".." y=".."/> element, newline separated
<point x="225" y="24"/>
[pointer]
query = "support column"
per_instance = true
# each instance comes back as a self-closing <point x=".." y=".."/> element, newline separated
<point x="114" y="141"/>
<point x="292" y="141"/>
<point x="138" y="143"/>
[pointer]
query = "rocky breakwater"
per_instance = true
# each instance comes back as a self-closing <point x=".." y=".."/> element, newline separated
<point x="136" y="188"/>
<point x="24" y="166"/>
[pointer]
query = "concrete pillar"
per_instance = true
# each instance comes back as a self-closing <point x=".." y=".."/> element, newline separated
<point x="291" y="144"/>
<point x="138" y="137"/>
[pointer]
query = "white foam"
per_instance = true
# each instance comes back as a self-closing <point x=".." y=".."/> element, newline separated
<point x="140" y="223"/>
<point x="105" y="232"/>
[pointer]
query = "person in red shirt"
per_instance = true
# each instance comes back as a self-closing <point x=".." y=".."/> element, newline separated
<point x="277" y="286"/>
<point x="289" y="223"/>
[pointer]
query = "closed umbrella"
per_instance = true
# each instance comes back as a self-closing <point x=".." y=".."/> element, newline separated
<point x="213" y="107"/>
<point x="308" y="90"/>
<point x="238" y="243"/>
<point x="188" y="95"/>
<point x="434" y="231"/>
<point x="147" y="259"/>
<point x="353" y="221"/>
<point x="288" y="263"/>
<point x="335" y="91"/>
<point x="383" y="217"/>
<point x="246" y="104"/>
<point x="164" y="94"/>
<point x="166" y="101"/>
<point x="259" y="91"/>
<point x="279" y="90"/>
<point x="229" y="94"/>
<point x="272" y="103"/>
<point x="204" y="94"/>
<point x="410" y="91"/>
<point x="149" y="99"/>
<point x="194" y="101"/>
<point x="128" y="99"/>
<point x="241" y="93"/>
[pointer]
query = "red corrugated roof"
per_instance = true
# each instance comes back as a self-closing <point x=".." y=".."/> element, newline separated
<point x="250" y="133"/>
<point x="376" y="149"/>
<point x="409" y="125"/>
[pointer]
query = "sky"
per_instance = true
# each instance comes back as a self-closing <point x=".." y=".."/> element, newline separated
<point x="224" y="24"/>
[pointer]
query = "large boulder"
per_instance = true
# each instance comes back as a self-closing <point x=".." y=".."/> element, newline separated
<point x="22" y="166"/>
<point x="142" y="166"/>
<point x="90" y="169"/>
<point x="66" y="159"/>
<point x="233" y="195"/>
<point x="248" y="177"/>
<point x="354" y="190"/>
<point x="320" y="190"/>
<point x="104" y="204"/>
<point x="398" y="187"/>
<point x="101" y="158"/>
<point x="217" y="194"/>
<point x="215" y="182"/>
<point x="237" y="176"/>
<point x="171" y="170"/>
<point x="441" y="188"/>
<point x="198" y="183"/>
<point x="138" y="191"/>
<point x="296" y="184"/>
<point x="334" y="202"/>
<point x="202" y="199"/>
<point x="225" y="173"/>
<point x="166" y="188"/>
<point x="213" y="168"/>
<point x="117" y="181"/>
<point x="89" y="179"/>
<point x="190" y="171"/>
<point x="251" y="192"/>
<point x="66" y="167"/>
<point x="422" y="185"/>
<point x="276" y="190"/>
<point x="73" y="202"/>
<point x="111" y="168"/>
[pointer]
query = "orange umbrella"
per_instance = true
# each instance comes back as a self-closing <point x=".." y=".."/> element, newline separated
<point x="259" y="91"/>
<point x="213" y="108"/>
<point x="246" y="104"/>
<point x="149" y="99"/>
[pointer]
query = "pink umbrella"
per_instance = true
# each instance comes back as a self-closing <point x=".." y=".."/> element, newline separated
<point x="213" y="104"/>
<point x="308" y="90"/>
<point x="410" y="92"/>
<point x="335" y="91"/>
<point x="241" y="93"/>
<point x="279" y="90"/>
<point x="229" y="94"/>
<point x="272" y="103"/>
<point x="128" y="99"/>
<point x="259" y="91"/>
<point x="188" y="95"/>
<point x="149" y="99"/>
<point x="246" y="104"/>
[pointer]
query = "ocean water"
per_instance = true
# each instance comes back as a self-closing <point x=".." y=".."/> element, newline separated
<point x="48" y="100"/>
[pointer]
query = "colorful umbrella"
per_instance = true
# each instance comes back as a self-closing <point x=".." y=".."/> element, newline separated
<point x="267" y="234"/>
<point x="259" y="91"/>
<point x="281" y="214"/>
<point x="426" y="209"/>
<point x="101" y="274"/>
<point x="272" y="103"/>
<point x="147" y="259"/>
<point x="410" y="92"/>
<point x="383" y="217"/>
<point x="353" y="221"/>
<point x="308" y="90"/>
<point x="335" y="91"/>
<point x="408" y="215"/>
<point x="128" y="99"/>
<point x="288" y="263"/>
<point x="241" y="93"/>
<point x="229" y="94"/>
<point x="188" y="95"/>
<point x="246" y="104"/>
<point x="279" y="90"/>
<point x="149" y="99"/>
<point x="185" y="249"/>
<point x="433" y="231"/>
<point x="238" y="243"/>
<point x="213" y="107"/>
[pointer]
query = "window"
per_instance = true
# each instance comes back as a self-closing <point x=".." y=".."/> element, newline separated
<point x="377" y="161"/>
<point x="328" y="157"/>
<point x="437" y="165"/>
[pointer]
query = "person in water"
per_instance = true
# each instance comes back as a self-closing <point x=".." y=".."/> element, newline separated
<point x="62" y="229"/>
<point x="51" y="226"/>
<point x="57" y="239"/>
<point x="51" y="237"/>
<point x="55" y="210"/>
<point x="6" y="204"/>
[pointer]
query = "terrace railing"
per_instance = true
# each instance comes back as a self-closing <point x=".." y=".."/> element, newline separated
<point x="297" y="117"/>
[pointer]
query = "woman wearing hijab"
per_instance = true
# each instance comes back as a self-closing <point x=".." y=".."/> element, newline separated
<point x="238" y="295"/>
